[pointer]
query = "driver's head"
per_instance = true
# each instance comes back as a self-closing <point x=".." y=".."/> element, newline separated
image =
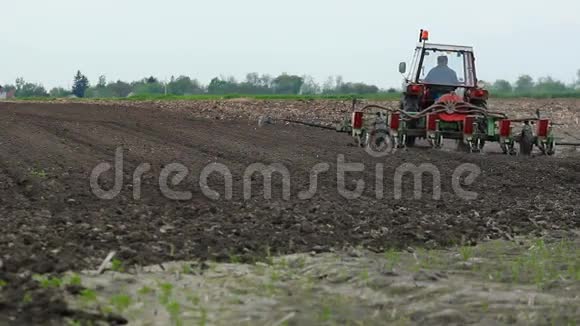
<point x="442" y="60"/>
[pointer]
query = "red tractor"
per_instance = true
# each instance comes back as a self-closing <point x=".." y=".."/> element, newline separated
<point x="442" y="100"/>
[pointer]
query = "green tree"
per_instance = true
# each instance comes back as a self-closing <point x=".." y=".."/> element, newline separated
<point x="8" y="88"/>
<point x="184" y="85"/>
<point x="99" y="92"/>
<point x="339" y="81"/>
<point x="254" y="84"/>
<point x="34" y="90"/>
<point x="287" y="84"/>
<point x="223" y="86"/>
<point x="329" y="86"/>
<point x="120" y="89"/>
<point x="524" y="84"/>
<point x="217" y="86"/>
<point x="309" y="87"/>
<point x="102" y="82"/>
<point x="253" y="79"/>
<point x="148" y="86"/>
<point x="332" y="85"/>
<point x="20" y="83"/>
<point x="548" y="85"/>
<point x="149" y="89"/>
<point x="59" y="92"/>
<point x="266" y="81"/>
<point x="151" y="80"/>
<point x="80" y="85"/>
<point x="502" y="86"/>
<point x="24" y="89"/>
<point x="357" y="88"/>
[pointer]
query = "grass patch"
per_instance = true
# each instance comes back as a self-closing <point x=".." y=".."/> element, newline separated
<point x="166" y="289"/>
<point x="466" y="252"/>
<point x="75" y="280"/>
<point x="333" y="288"/>
<point x="121" y="302"/>
<point x="393" y="258"/>
<point x="27" y="298"/>
<point x="88" y="296"/>
<point x="145" y="290"/>
<point x="38" y="172"/>
<point x="536" y="262"/>
<point x="48" y="282"/>
<point x="117" y="266"/>
<point x="174" y="310"/>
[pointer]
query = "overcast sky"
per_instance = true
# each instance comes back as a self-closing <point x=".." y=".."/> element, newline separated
<point x="362" y="40"/>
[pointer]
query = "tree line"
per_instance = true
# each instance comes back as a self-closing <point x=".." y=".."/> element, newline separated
<point x="253" y="84"/>
<point x="526" y="85"/>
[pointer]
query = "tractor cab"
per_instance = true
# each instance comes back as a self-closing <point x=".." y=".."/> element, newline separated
<point x="439" y="70"/>
<point x="443" y="65"/>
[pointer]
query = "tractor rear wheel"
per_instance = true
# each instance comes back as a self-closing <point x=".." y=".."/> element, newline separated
<point x="526" y="141"/>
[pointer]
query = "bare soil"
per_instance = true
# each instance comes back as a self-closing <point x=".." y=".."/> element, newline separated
<point x="52" y="222"/>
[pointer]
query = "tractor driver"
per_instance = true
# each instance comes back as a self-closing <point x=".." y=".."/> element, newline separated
<point x="442" y="74"/>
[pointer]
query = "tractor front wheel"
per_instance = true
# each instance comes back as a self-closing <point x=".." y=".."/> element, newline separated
<point x="380" y="143"/>
<point x="526" y="141"/>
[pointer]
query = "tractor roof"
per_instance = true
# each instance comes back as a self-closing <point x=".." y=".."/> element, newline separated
<point x="446" y="47"/>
